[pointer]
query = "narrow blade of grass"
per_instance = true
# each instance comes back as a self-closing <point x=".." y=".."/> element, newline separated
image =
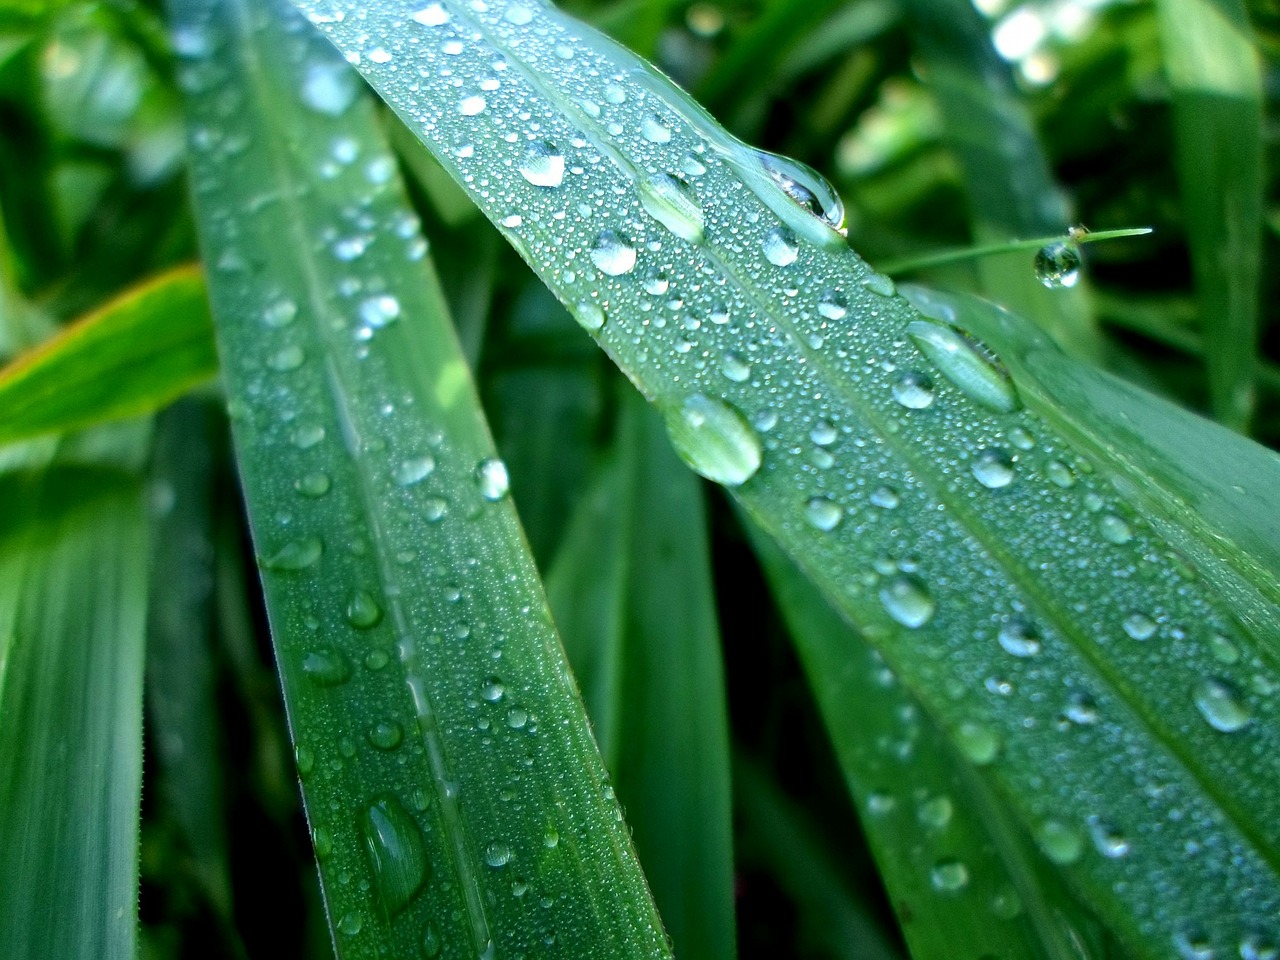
<point x="73" y="581"/>
<point x="891" y="456"/>
<point x="129" y="357"/>
<point x="1216" y="78"/>
<point x="631" y="591"/>
<point x="456" y="800"/>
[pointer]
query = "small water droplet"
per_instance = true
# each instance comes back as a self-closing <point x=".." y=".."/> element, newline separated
<point x="542" y="164"/>
<point x="978" y="742"/>
<point x="280" y="314"/>
<point x="1061" y="843"/>
<point x="550" y="837"/>
<point x="363" y="611"/>
<point x="414" y="470"/>
<point x="1115" y="529"/>
<point x="386" y="735"/>
<point x="396" y="851"/>
<point x="833" y="304"/>
<point x="994" y="468"/>
<point x="671" y="202"/>
<point x="1139" y="626"/>
<point x="432" y="15"/>
<point x="472" y="106"/>
<point x="714" y="439"/>
<point x="935" y="812"/>
<point x="287" y="358"/>
<point x="1058" y="265"/>
<point x="654" y="130"/>
<point x="326" y="667"/>
<point x="492" y="479"/>
<point x="1220" y="704"/>
<point x="1020" y="638"/>
<point x="913" y="390"/>
<point x="906" y="599"/>
<point x="886" y="498"/>
<point x="295" y="555"/>
<point x="351" y="923"/>
<point x="431" y="942"/>
<point x="434" y="509"/>
<point x="589" y="314"/>
<point x="498" y="854"/>
<point x="492" y="689"/>
<point x="1107" y="840"/>
<point x="967" y="364"/>
<point x="315" y="484"/>
<point x="780" y="246"/>
<point x="329" y="88"/>
<point x="822" y="513"/>
<point x="612" y="254"/>
<point x="949" y="876"/>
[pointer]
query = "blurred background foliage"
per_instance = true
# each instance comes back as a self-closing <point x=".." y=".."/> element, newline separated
<point x="940" y="123"/>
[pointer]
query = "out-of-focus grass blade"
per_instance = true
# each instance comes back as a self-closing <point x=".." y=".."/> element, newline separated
<point x="73" y="581"/>
<point x="181" y="672"/>
<point x="831" y="914"/>
<point x="457" y="803"/>
<point x="131" y="356"/>
<point x="631" y="591"/>
<point x="1011" y="190"/>
<point x="1216" y="78"/>
<point x="962" y="877"/>
<point x="888" y="452"/>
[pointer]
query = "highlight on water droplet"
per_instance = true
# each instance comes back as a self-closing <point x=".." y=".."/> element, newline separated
<point x="414" y="470"/>
<point x="363" y="610"/>
<point x="780" y="246"/>
<point x="833" y="304"/>
<point x="949" y="876"/>
<point x="589" y="314"/>
<point x="612" y="254"/>
<point x="906" y="599"/>
<point x="295" y="555"/>
<point x="671" y="202"/>
<point x="822" y="513"/>
<point x="542" y="164"/>
<point x="1019" y="637"/>
<point x="1058" y="264"/>
<point x="397" y="853"/>
<point x="497" y="854"/>
<point x="492" y="479"/>
<point x="993" y="468"/>
<point x="714" y="439"/>
<point x="966" y="363"/>
<point x="1220" y="704"/>
<point x="913" y="390"/>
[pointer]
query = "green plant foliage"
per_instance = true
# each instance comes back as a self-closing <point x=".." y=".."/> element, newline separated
<point x="888" y="452"/>
<point x="455" y="797"/>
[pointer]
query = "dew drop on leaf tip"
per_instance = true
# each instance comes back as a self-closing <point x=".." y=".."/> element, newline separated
<point x="1057" y="264"/>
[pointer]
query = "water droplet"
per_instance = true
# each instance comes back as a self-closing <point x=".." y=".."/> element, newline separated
<point x="1006" y="904"/>
<point x="886" y="498"/>
<point x="879" y="802"/>
<point x="413" y="470"/>
<point x="498" y="854"/>
<point x="906" y="599"/>
<point x="1219" y="703"/>
<point x="397" y="852"/>
<point x="994" y="468"/>
<point x="656" y="282"/>
<point x="305" y="757"/>
<point x="780" y="246"/>
<point x="322" y="840"/>
<point x="295" y="555"/>
<point x="517" y="718"/>
<point x="823" y="433"/>
<point x="1061" y="843"/>
<point x="351" y="923"/>
<point x="326" y="667"/>
<point x="833" y="304"/>
<point x="432" y="15"/>
<point x="1258" y="947"/>
<point x="654" y="130"/>
<point x="492" y="479"/>
<point x="879" y="284"/>
<point x="472" y="106"/>
<point x="714" y="439"/>
<point x="967" y="364"/>
<point x="1193" y="944"/>
<point x="913" y="390"/>
<point x="431" y="941"/>
<point x="1107" y="840"/>
<point x="1060" y="474"/>
<point x="977" y="742"/>
<point x="519" y="15"/>
<point x="492" y="689"/>
<point x="612" y="254"/>
<point x="550" y="838"/>
<point x="315" y="484"/>
<point x="1223" y="650"/>
<point x="805" y="187"/>
<point x="949" y="876"/>
<point x="434" y="509"/>
<point x="935" y="812"/>
<point x="329" y="88"/>
<point x="1081" y="709"/>
<point x="589" y="315"/>
<point x="1020" y="638"/>
<point x="379" y="311"/>
<point x="307" y="436"/>
<point x="287" y="358"/>
<point x="671" y="202"/>
<point x="542" y="164"/>
<point x="363" y="611"/>
<point x="386" y="735"/>
<point x="735" y="368"/>
<point x="822" y="513"/>
<point x="280" y="314"/>
<point x="1139" y="626"/>
<point x="1115" y="529"/>
<point x="1058" y="265"/>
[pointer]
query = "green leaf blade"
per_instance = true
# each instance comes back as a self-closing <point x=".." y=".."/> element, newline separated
<point x="457" y="802"/>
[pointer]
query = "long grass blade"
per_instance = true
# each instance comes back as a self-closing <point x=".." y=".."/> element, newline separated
<point x="631" y="591"/>
<point x="1214" y="70"/>
<point x="885" y="450"/>
<point x="457" y="803"/>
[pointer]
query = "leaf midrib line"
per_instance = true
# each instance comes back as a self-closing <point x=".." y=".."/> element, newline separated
<point x="428" y="726"/>
<point x="966" y="518"/>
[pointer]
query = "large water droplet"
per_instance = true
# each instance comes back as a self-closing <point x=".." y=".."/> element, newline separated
<point x="363" y="611"/>
<point x="315" y="484"/>
<point x="671" y="202"/>
<point x="397" y="852"/>
<point x="833" y="304"/>
<point x="822" y="513"/>
<point x="714" y="439"/>
<point x="978" y="742"/>
<point x="805" y="187"/>
<point x="1058" y="265"/>
<point x="326" y="667"/>
<point x="734" y="367"/>
<point x="1139" y="626"/>
<point x="295" y="555"/>
<point x="913" y="390"/>
<point x="379" y="311"/>
<point x="780" y="246"/>
<point x="1020" y="638"/>
<point x="1061" y="843"/>
<point x="386" y="735"/>
<point x="589" y="314"/>
<point x="612" y="254"/>
<point x="949" y="876"/>
<point x="654" y="130"/>
<point x="906" y="599"/>
<point x="994" y="468"/>
<point x="492" y="479"/>
<point x="472" y="106"/>
<point x="414" y="470"/>
<point x="967" y="364"/>
<point x="1219" y="703"/>
<point x="351" y="923"/>
<point x="432" y="943"/>
<point x="542" y="164"/>
<point x="935" y="812"/>
<point x="287" y="358"/>
<point x="1193" y="944"/>
<point x="1107" y="840"/>
<point x="1256" y="946"/>
<point x="497" y="854"/>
